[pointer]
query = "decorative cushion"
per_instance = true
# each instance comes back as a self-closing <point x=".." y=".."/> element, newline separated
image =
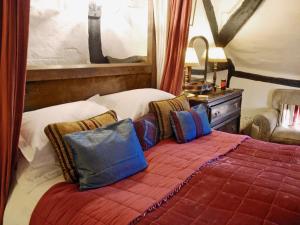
<point x="162" y="109"/>
<point x="56" y="131"/>
<point x="188" y="125"/>
<point x="147" y="131"/>
<point x="106" y="155"/>
<point x="290" y="116"/>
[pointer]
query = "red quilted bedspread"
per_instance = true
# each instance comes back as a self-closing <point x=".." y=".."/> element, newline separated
<point x="258" y="183"/>
<point x="170" y="166"/>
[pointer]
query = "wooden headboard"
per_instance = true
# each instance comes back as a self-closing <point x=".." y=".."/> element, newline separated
<point x="54" y="85"/>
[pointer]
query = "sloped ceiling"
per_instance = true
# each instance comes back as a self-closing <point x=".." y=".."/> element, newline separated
<point x="224" y="9"/>
<point x="268" y="43"/>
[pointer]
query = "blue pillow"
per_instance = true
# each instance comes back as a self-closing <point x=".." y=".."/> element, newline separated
<point x="106" y="155"/>
<point x="188" y="125"/>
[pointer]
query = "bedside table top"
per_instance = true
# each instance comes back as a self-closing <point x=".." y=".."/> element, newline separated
<point x="215" y="95"/>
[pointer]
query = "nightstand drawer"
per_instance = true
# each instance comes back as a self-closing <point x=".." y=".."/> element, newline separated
<point x="223" y="110"/>
<point x="230" y="126"/>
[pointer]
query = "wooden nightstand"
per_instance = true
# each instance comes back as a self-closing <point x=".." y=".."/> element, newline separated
<point x="223" y="108"/>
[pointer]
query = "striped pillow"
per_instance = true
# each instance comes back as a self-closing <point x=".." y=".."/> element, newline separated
<point x="188" y="125"/>
<point x="56" y="131"/>
<point x="162" y="109"/>
<point x="146" y="130"/>
<point x="290" y="116"/>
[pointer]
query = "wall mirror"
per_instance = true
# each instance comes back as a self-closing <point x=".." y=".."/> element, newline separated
<point x="200" y="44"/>
<point x="72" y="32"/>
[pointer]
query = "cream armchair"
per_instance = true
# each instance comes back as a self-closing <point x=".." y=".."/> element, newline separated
<point x="265" y="125"/>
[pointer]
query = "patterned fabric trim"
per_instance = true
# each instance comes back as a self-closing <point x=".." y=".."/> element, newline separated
<point x="56" y="131"/>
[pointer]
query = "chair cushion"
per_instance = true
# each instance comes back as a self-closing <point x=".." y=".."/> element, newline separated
<point x="286" y="136"/>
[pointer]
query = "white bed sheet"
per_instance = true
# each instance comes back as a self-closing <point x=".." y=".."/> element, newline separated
<point x="26" y="193"/>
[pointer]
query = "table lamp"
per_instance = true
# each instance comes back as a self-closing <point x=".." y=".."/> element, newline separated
<point x="191" y="60"/>
<point x="216" y="55"/>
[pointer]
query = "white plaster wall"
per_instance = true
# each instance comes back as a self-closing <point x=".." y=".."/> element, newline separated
<point x="58" y="32"/>
<point x="124" y="28"/>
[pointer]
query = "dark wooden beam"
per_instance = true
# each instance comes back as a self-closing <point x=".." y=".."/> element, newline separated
<point x="94" y="28"/>
<point x="231" y="71"/>
<point x="237" y="20"/>
<point x="210" y="13"/>
<point x="267" y="79"/>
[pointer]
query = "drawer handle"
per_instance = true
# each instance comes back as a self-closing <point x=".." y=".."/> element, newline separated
<point x="217" y="113"/>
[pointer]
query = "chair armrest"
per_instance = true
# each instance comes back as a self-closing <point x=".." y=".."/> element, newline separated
<point x="264" y="124"/>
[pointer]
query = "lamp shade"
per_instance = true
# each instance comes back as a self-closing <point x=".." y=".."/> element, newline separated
<point x="191" y="58"/>
<point x="216" y="54"/>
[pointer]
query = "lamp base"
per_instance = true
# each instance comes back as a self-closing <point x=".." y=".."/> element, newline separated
<point x="187" y="74"/>
<point x="215" y="74"/>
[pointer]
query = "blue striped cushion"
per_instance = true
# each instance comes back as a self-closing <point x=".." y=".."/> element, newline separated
<point x="188" y="125"/>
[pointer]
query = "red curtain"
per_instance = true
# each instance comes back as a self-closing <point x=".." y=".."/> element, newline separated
<point x="14" y="26"/>
<point x="180" y="12"/>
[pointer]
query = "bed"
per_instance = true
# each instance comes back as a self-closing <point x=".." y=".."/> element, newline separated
<point x="217" y="179"/>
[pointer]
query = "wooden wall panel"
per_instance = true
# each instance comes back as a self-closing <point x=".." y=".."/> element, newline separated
<point x="52" y="86"/>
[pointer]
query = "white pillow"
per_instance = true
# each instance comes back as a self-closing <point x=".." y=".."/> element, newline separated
<point x="34" y="144"/>
<point x="131" y="104"/>
<point x="30" y="177"/>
